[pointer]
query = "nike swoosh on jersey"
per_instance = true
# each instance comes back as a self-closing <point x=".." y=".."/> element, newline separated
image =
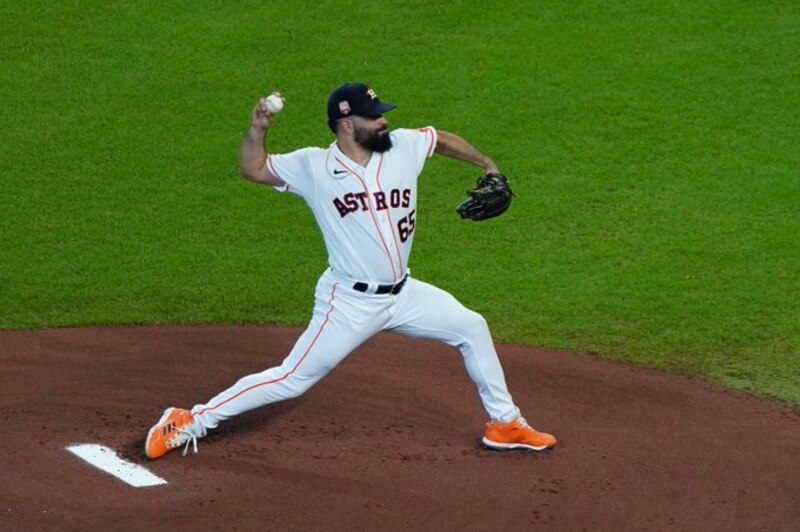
<point x="337" y="171"/>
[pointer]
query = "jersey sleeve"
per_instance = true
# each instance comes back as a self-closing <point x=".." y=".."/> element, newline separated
<point x="418" y="144"/>
<point x="430" y="140"/>
<point x="294" y="169"/>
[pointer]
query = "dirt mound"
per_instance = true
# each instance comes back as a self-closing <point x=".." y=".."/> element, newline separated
<point x="388" y="441"/>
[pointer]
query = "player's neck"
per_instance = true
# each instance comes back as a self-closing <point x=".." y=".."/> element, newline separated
<point x="354" y="151"/>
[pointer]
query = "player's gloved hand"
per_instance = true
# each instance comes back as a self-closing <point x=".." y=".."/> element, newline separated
<point x="491" y="197"/>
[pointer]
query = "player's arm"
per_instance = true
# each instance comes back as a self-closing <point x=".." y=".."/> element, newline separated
<point x="253" y="152"/>
<point x="453" y="146"/>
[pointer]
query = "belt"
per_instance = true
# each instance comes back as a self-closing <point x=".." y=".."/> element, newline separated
<point x="393" y="289"/>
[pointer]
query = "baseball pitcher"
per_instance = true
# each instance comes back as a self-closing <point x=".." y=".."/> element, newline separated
<point x="362" y="190"/>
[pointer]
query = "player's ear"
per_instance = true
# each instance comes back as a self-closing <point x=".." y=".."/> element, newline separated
<point x="347" y="125"/>
<point x="342" y="125"/>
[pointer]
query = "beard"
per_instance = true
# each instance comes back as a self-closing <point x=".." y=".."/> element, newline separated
<point x="377" y="141"/>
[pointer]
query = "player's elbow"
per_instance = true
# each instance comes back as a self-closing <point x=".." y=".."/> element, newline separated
<point x="245" y="173"/>
<point x="250" y="174"/>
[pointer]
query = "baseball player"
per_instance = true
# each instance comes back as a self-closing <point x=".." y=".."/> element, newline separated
<point x="362" y="190"/>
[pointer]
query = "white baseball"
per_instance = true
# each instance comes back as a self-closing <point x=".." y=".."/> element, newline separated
<point x="274" y="103"/>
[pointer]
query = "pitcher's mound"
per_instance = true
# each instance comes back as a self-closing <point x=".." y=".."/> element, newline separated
<point x="388" y="441"/>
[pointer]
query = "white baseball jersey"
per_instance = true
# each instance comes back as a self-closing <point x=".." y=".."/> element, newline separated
<point x="367" y="215"/>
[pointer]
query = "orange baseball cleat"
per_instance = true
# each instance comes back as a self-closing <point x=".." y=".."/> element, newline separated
<point x="173" y="430"/>
<point x="516" y="435"/>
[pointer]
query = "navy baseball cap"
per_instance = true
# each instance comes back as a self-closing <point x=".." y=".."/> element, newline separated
<point x="354" y="99"/>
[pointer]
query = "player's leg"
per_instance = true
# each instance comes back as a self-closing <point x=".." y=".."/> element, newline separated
<point x="339" y="324"/>
<point x="425" y="311"/>
<point x="329" y="338"/>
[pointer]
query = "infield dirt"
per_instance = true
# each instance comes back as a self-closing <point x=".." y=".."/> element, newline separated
<point x="388" y="441"/>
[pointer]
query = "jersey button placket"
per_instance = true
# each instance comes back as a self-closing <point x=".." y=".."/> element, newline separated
<point x="387" y="230"/>
<point x="392" y="239"/>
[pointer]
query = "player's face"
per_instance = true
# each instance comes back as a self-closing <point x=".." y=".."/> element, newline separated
<point x="372" y="133"/>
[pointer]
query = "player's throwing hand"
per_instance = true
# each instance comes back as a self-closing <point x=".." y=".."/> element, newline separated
<point x="266" y="109"/>
<point x="261" y="119"/>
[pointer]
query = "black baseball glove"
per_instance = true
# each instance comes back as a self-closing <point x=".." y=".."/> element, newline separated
<point x="491" y="197"/>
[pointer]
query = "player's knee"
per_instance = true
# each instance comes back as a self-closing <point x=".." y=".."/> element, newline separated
<point x="300" y="386"/>
<point x="474" y="324"/>
<point x="299" y="383"/>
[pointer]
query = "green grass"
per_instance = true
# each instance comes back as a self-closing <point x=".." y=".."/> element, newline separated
<point x="653" y="147"/>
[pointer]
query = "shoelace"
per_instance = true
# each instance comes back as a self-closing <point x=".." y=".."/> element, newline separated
<point x="191" y="439"/>
<point x="184" y="435"/>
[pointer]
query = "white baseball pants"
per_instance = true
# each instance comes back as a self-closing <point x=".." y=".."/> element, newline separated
<point x="343" y="319"/>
